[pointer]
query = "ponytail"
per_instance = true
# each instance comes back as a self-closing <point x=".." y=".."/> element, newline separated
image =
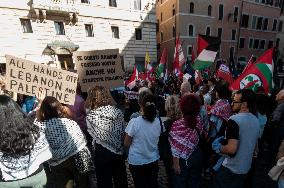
<point x="149" y="108"/>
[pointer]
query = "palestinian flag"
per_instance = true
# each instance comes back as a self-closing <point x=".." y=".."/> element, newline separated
<point x="258" y="75"/>
<point x="207" y="50"/>
<point x="163" y="62"/>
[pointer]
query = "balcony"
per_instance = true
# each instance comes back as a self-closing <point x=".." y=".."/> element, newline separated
<point x="68" y="6"/>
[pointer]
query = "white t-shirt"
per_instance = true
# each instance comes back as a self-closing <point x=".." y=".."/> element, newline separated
<point x="145" y="138"/>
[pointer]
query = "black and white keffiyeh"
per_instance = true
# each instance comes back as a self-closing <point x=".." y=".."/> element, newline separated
<point x="65" y="138"/>
<point x="106" y="126"/>
<point x="14" y="169"/>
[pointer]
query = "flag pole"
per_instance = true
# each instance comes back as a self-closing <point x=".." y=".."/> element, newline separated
<point x="239" y="30"/>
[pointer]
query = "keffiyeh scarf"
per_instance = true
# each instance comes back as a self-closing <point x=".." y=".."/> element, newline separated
<point x="106" y="126"/>
<point x="14" y="169"/>
<point x="184" y="140"/>
<point x="222" y="108"/>
<point x="64" y="137"/>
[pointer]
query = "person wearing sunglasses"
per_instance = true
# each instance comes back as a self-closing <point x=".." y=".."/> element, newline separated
<point x="239" y="142"/>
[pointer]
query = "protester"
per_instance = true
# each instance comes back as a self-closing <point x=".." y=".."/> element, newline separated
<point x="2" y="84"/>
<point x="277" y="121"/>
<point x="142" y="136"/>
<point x="239" y="144"/>
<point x="184" y="138"/>
<point x="205" y="93"/>
<point x="185" y="88"/>
<point x="71" y="159"/>
<point x="23" y="148"/>
<point x="173" y="113"/>
<point x="221" y="110"/>
<point x="106" y="126"/>
<point x="28" y="103"/>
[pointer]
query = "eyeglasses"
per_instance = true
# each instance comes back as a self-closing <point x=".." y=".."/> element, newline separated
<point x="235" y="102"/>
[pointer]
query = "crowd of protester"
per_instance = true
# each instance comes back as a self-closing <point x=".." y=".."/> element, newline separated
<point x="199" y="131"/>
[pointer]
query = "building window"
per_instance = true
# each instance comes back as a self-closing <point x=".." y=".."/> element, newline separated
<point x="245" y="21"/>
<point x="259" y="23"/>
<point x="161" y="17"/>
<point x="112" y="3"/>
<point x="250" y="43"/>
<point x="174" y="31"/>
<point x="221" y="11"/>
<point x="140" y="63"/>
<point x="209" y="12"/>
<point x="85" y="1"/>
<point x="220" y="32"/>
<point x="190" y="30"/>
<point x="138" y="34"/>
<point x="158" y="26"/>
<point x="270" y="44"/>
<point x="174" y="10"/>
<point x="280" y="26"/>
<point x="277" y="42"/>
<point x="89" y="30"/>
<point x="191" y="8"/>
<point x="26" y="25"/>
<point x="233" y="36"/>
<point x="189" y="50"/>
<point x="265" y="24"/>
<point x="115" y="32"/>
<point x="137" y="5"/>
<point x="274" y="25"/>
<point x="255" y="44"/>
<point x="59" y="28"/>
<point x="242" y="43"/>
<point x="236" y="14"/>
<point x="262" y="44"/>
<point x="253" y="22"/>
<point x="162" y="36"/>
<point x="208" y="31"/>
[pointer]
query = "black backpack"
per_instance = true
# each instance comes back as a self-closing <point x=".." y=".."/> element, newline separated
<point x="164" y="144"/>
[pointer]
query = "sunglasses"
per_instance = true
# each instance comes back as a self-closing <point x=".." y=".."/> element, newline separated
<point x="236" y="102"/>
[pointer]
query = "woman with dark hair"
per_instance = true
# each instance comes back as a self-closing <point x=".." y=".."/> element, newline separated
<point x="71" y="159"/>
<point x="184" y="138"/>
<point x="142" y="136"/>
<point x="221" y="110"/>
<point x="106" y="126"/>
<point x="23" y="148"/>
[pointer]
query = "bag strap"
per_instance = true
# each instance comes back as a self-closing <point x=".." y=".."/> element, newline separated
<point x="161" y="125"/>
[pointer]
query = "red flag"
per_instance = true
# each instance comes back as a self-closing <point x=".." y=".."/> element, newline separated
<point x="131" y="82"/>
<point x="201" y="44"/>
<point x="179" y="59"/>
<point x="258" y="75"/>
<point x="224" y="73"/>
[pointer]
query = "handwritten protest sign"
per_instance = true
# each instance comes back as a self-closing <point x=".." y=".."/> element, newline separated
<point x="100" y="67"/>
<point x="26" y="77"/>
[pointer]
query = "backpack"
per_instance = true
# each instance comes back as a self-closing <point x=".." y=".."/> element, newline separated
<point x="164" y="144"/>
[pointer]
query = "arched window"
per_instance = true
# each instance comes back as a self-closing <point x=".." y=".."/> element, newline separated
<point x="209" y="10"/>
<point x="191" y="8"/>
<point x="190" y="30"/>
<point x="208" y="31"/>
<point x="174" y="31"/>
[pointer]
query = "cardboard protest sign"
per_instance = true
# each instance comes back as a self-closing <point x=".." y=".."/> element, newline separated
<point x="26" y="77"/>
<point x="100" y="67"/>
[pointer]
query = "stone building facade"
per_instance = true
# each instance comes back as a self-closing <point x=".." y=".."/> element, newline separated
<point x="48" y="31"/>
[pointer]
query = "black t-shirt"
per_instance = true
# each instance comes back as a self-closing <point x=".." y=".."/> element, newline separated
<point x="232" y="131"/>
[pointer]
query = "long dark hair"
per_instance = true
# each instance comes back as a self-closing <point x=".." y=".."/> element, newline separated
<point x="17" y="132"/>
<point x="190" y="105"/>
<point x="149" y="108"/>
<point x="51" y="108"/>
